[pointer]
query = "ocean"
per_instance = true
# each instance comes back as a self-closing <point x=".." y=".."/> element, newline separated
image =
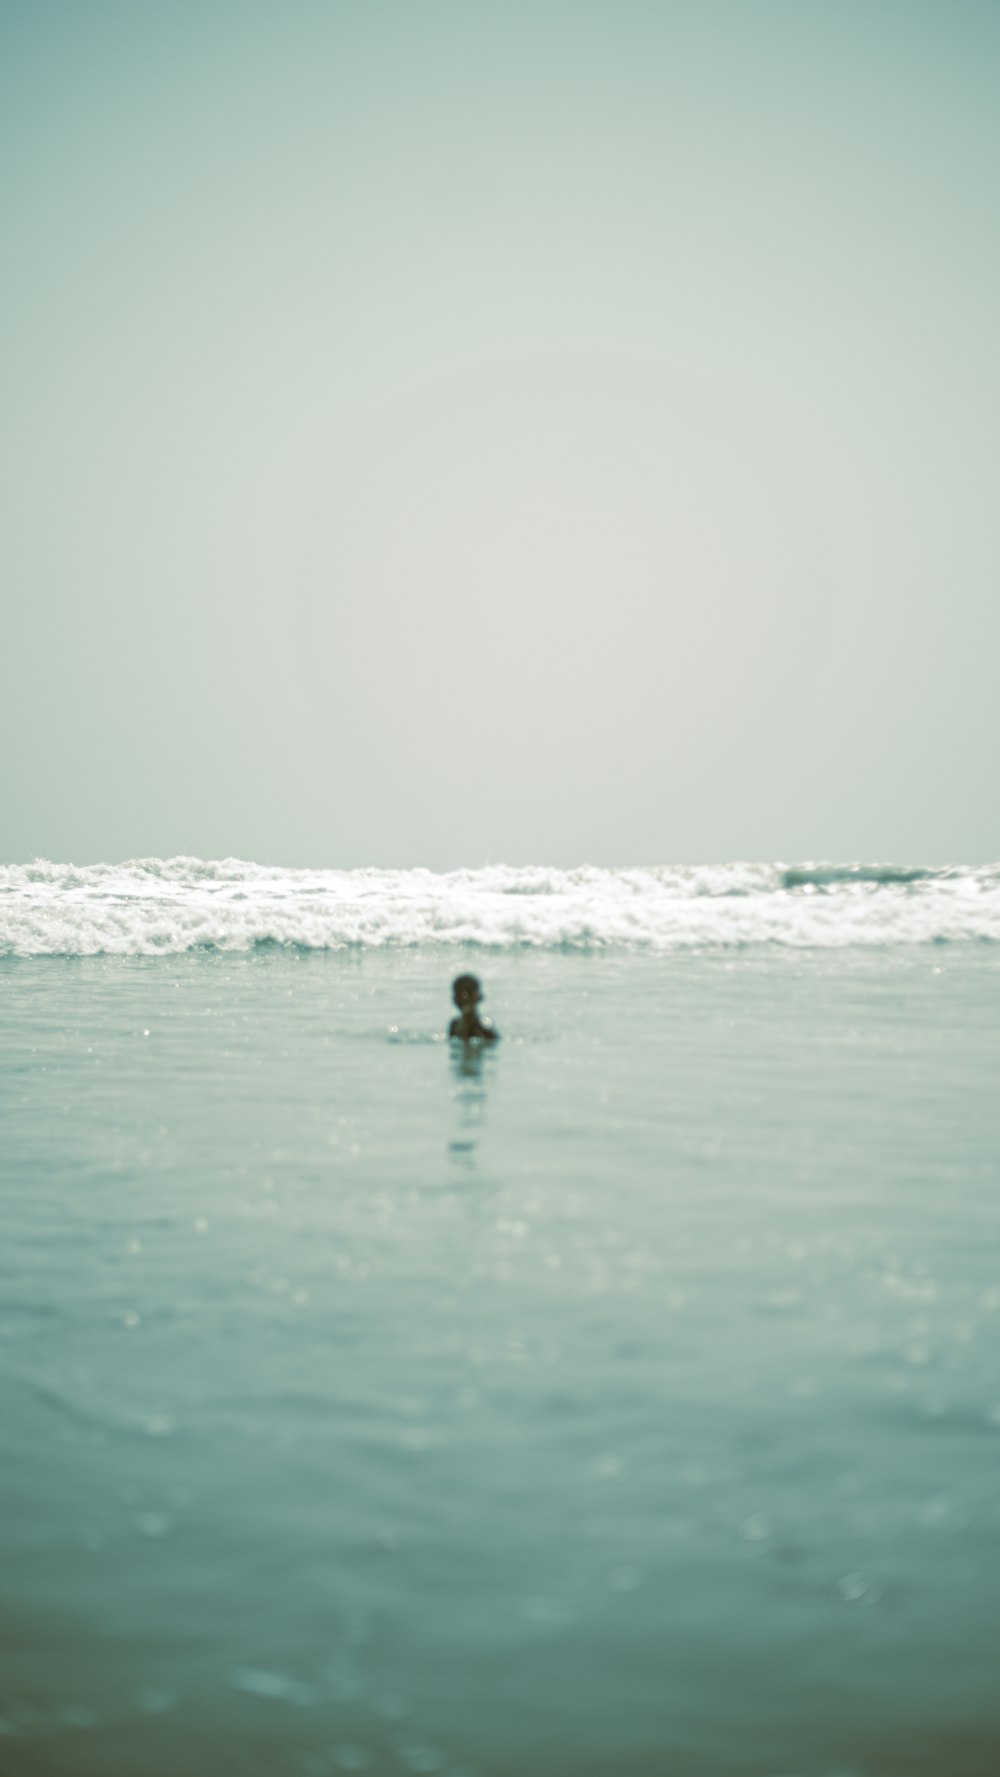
<point x="621" y="1400"/>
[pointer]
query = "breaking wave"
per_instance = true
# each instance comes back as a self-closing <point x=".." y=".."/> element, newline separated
<point x="153" y="906"/>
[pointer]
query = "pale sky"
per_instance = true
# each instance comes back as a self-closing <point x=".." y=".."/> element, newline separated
<point x="448" y="432"/>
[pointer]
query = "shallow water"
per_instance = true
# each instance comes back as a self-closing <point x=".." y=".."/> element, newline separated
<point x="627" y="1400"/>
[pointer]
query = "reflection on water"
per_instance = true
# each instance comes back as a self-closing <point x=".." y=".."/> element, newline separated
<point x="467" y="1059"/>
<point x="470" y="1066"/>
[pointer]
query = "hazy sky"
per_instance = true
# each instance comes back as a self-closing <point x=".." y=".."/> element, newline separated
<point x="438" y="432"/>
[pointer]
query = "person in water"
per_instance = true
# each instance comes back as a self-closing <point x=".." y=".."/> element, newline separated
<point x="468" y="1027"/>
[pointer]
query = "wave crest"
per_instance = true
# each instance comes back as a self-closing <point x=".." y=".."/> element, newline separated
<point x="152" y="906"/>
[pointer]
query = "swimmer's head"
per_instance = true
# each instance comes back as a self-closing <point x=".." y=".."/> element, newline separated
<point x="466" y="991"/>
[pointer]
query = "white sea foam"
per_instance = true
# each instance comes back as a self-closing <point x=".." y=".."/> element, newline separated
<point x="151" y="906"/>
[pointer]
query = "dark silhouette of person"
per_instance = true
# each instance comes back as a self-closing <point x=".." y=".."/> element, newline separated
<point x="468" y="1027"/>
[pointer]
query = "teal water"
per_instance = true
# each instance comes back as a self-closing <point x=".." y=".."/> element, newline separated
<point x="627" y="1400"/>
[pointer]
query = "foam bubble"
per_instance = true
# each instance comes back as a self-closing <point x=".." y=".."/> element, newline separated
<point x="153" y="906"/>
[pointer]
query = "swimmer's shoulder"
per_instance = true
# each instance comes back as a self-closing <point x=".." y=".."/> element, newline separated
<point x="481" y="1031"/>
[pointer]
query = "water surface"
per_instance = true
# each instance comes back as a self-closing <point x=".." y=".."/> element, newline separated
<point x="624" y="1400"/>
